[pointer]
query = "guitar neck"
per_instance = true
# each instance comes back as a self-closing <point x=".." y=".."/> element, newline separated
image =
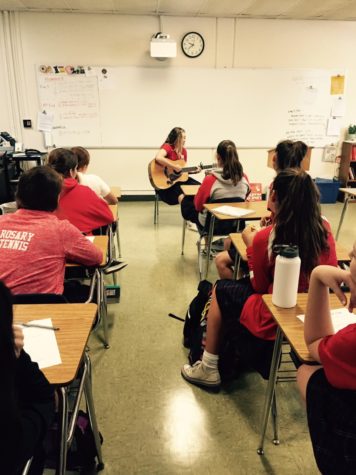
<point x="191" y="169"/>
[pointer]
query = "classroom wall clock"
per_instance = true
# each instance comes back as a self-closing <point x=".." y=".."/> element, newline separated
<point x="192" y="44"/>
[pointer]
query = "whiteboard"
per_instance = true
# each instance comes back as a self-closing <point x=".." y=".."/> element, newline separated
<point x="137" y="107"/>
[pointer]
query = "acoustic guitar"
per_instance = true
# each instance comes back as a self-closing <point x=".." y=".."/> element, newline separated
<point x="163" y="177"/>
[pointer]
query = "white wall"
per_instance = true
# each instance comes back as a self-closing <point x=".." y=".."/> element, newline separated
<point x="44" y="38"/>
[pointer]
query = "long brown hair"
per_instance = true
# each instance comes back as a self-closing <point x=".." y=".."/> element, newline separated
<point x="232" y="168"/>
<point x="298" y="216"/>
<point x="290" y="154"/>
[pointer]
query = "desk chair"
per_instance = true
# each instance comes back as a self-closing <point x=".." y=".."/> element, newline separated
<point x="222" y="228"/>
<point x="157" y="200"/>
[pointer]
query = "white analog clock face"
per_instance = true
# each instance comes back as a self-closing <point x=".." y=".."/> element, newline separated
<point x="192" y="44"/>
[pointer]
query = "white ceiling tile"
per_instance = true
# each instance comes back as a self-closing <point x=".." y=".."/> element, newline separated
<point x="291" y="9"/>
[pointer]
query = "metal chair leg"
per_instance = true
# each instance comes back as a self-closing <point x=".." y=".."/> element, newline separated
<point x="156" y="209"/>
<point x="91" y="412"/>
<point x="270" y="388"/>
<point x="118" y="238"/>
<point x="183" y="235"/>
<point x="27" y="467"/>
<point x="274" y="414"/>
<point x="210" y="238"/>
<point x="342" y="216"/>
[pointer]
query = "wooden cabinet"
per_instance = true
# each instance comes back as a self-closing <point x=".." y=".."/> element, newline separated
<point x="347" y="169"/>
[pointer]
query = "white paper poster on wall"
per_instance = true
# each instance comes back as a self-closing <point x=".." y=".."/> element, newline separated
<point x="73" y="99"/>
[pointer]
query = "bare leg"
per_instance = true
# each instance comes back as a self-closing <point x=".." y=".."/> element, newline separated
<point x="303" y="376"/>
<point x="224" y="264"/>
<point x="213" y="329"/>
<point x="180" y="198"/>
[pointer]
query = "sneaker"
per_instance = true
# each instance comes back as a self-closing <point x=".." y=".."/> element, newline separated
<point x="192" y="226"/>
<point x="201" y="376"/>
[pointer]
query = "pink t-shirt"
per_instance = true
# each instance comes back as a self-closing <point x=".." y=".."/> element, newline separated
<point x="338" y="357"/>
<point x="34" y="246"/>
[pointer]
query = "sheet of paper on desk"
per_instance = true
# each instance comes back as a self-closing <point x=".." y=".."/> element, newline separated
<point x="90" y="238"/>
<point x="232" y="211"/>
<point x="41" y="344"/>
<point x="340" y="317"/>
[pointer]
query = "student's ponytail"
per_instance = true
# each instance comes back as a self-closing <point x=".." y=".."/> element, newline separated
<point x="290" y="154"/>
<point x="298" y="216"/>
<point x="232" y="168"/>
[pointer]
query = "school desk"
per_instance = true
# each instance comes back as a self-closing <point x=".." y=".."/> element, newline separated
<point x="291" y="328"/>
<point x="104" y="243"/>
<point x="342" y="254"/>
<point x="349" y="193"/>
<point x="258" y="210"/>
<point x="75" y="322"/>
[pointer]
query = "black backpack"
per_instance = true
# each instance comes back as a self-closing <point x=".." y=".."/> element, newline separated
<point x="195" y="322"/>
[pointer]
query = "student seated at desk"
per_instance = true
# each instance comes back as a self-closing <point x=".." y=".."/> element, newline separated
<point x="330" y="389"/>
<point x="35" y="244"/>
<point x="298" y="221"/>
<point x="78" y="203"/>
<point x="93" y="181"/>
<point x="170" y="152"/>
<point x="287" y="154"/>
<point x="228" y="181"/>
<point x="26" y="398"/>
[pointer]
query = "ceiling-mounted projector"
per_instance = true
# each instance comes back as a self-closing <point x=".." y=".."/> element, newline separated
<point x="162" y="46"/>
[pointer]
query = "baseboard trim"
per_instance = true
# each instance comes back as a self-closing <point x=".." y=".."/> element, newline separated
<point x="137" y="198"/>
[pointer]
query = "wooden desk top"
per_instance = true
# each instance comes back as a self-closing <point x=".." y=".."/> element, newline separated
<point x="102" y="243"/>
<point x="238" y="243"/>
<point x="342" y="253"/>
<point x="350" y="191"/>
<point x="259" y="209"/>
<point x="75" y="321"/>
<point x="190" y="190"/>
<point x="291" y="326"/>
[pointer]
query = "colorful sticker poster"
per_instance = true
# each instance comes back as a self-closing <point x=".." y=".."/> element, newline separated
<point x="337" y="85"/>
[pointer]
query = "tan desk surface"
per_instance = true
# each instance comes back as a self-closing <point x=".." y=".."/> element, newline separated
<point x="190" y="190"/>
<point x="291" y="326"/>
<point x="75" y="321"/>
<point x="350" y="191"/>
<point x="237" y="241"/>
<point x="117" y="191"/>
<point x="342" y="253"/>
<point x="259" y="209"/>
<point x="239" y="245"/>
<point x="102" y="243"/>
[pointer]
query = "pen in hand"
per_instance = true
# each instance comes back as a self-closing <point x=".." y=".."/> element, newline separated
<point x="37" y="325"/>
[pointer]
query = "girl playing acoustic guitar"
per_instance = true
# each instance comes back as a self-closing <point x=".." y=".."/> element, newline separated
<point x="170" y="152"/>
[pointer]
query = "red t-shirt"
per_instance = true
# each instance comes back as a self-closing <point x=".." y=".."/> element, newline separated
<point x="34" y="247"/>
<point x="338" y="357"/>
<point x="172" y="154"/>
<point x="82" y="207"/>
<point x="255" y="316"/>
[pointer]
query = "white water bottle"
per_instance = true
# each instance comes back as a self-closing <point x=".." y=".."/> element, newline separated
<point x="286" y="277"/>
